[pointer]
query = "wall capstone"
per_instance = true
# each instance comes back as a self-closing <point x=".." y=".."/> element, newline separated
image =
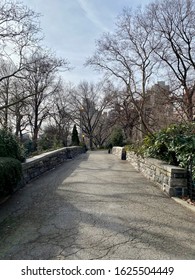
<point x="119" y="152"/>
<point x="36" y="166"/>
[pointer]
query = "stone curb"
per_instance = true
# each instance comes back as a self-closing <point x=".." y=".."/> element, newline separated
<point x="184" y="203"/>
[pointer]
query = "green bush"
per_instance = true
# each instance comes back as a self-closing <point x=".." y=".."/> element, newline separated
<point x="175" y="144"/>
<point x="9" y="146"/>
<point x="116" y="137"/>
<point x="27" y="147"/>
<point x="84" y="146"/>
<point x="10" y="175"/>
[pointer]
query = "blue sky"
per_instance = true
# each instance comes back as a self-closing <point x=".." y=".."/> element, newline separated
<point x="71" y="27"/>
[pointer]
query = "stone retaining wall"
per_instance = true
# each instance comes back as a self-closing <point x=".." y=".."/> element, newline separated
<point x="171" y="179"/>
<point x="36" y="166"/>
<point x="119" y="152"/>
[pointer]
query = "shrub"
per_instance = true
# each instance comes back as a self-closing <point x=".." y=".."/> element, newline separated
<point x="9" y="146"/>
<point x="28" y="147"/>
<point x="10" y="174"/>
<point x="116" y="138"/>
<point x="175" y="144"/>
<point x="84" y="146"/>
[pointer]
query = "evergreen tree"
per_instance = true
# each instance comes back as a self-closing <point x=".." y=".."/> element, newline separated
<point x="75" y="137"/>
<point x="116" y="138"/>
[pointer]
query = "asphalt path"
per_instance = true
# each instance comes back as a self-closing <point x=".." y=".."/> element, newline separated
<point x="95" y="207"/>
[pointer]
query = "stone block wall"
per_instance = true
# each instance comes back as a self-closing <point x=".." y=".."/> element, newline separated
<point x="119" y="152"/>
<point x="171" y="179"/>
<point x="36" y="166"/>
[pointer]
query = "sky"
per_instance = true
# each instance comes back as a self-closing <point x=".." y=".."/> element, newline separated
<point x="71" y="27"/>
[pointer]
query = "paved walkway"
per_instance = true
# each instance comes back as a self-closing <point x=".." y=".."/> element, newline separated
<point x="95" y="207"/>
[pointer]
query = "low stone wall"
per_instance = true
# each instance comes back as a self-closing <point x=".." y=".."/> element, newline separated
<point x="119" y="152"/>
<point x="36" y="166"/>
<point x="170" y="178"/>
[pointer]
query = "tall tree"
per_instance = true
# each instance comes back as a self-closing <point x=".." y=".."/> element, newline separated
<point x="127" y="55"/>
<point x="75" y="136"/>
<point x="5" y="94"/>
<point x="41" y="84"/>
<point x="19" y="27"/>
<point x="60" y="112"/>
<point x="19" y="34"/>
<point x="88" y="103"/>
<point x="12" y="91"/>
<point x="173" y="26"/>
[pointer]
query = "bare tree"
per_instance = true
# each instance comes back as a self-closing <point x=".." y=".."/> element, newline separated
<point x="18" y="32"/>
<point x="5" y="90"/>
<point x="19" y="111"/>
<point x="89" y="102"/>
<point x="103" y="130"/>
<point x="60" y="113"/>
<point x="127" y="56"/>
<point x="41" y="83"/>
<point x="173" y="24"/>
<point x="125" y="115"/>
<point x="12" y="92"/>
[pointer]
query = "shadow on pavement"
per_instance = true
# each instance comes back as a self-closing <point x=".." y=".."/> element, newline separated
<point x="65" y="214"/>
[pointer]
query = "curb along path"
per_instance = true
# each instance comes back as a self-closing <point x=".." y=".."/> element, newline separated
<point x="95" y="207"/>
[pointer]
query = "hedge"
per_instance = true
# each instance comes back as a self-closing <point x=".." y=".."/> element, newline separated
<point x="10" y="175"/>
<point x="10" y="146"/>
<point x="174" y="144"/>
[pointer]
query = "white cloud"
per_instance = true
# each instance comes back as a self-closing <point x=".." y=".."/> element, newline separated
<point x="91" y="14"/>
<point x="72" y="26"/>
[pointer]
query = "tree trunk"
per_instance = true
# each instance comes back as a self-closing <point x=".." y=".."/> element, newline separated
<point x="91" y="142"/>
<point x="189" y="103"/>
